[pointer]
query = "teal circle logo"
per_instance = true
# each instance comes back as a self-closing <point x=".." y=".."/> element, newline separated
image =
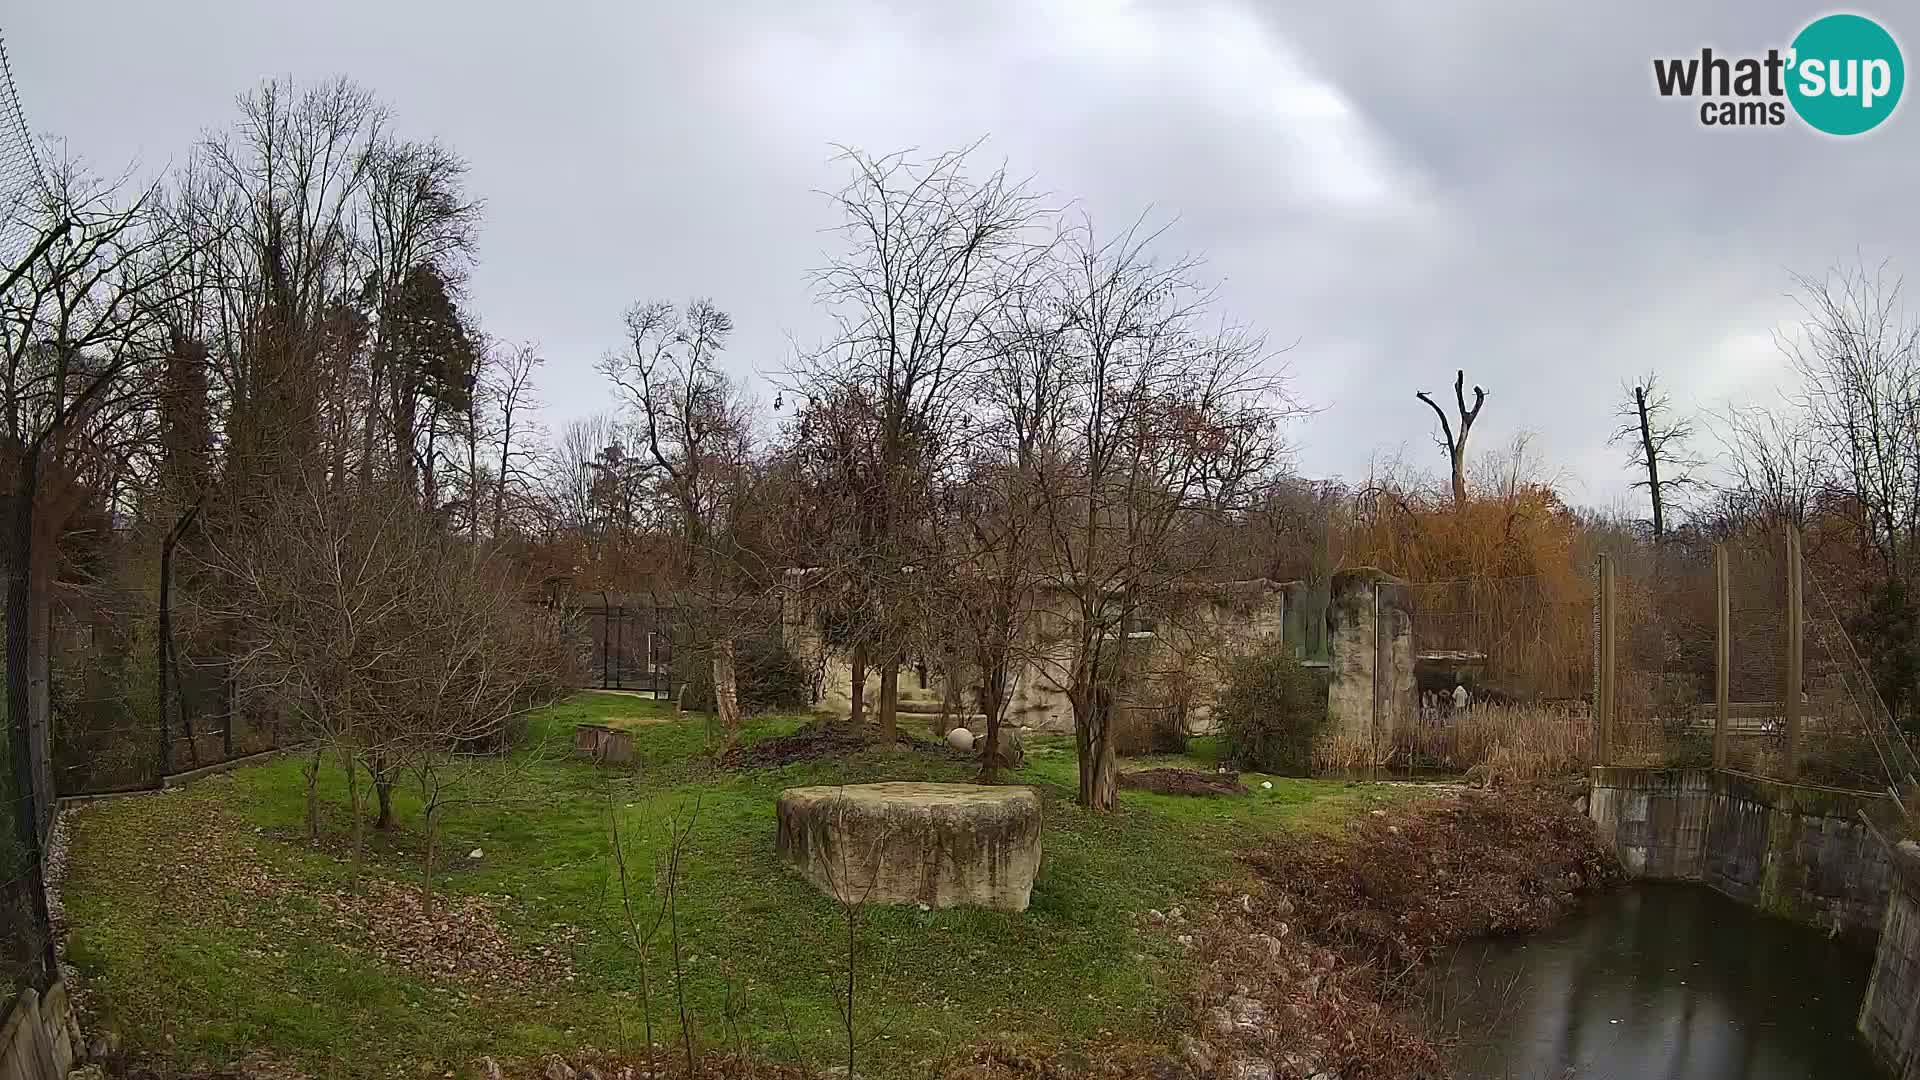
<point x="1846" y="74"/>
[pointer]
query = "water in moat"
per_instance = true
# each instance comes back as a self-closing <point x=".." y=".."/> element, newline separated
<point x="1657" y="981"/>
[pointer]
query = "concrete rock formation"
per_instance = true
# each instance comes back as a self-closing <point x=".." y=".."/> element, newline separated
<point x="1371" y="695"/>
<point x="942" y="845"/>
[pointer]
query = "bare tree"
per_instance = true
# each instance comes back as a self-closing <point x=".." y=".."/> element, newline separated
<point x="80" y="340"/>
<point x="495" y="478"/>
<point x="1657" y="441"/>
<point x="474" y="659"/>
<point x="387" y="643"/>
<point x="509" y="386"/>
<point x="1775" y="465"/>
<point x="1456" y="445"/>
<point x="1857" y="353"/>
<point x="696" y="433"/>
<point x="290" y="179"/>
<point x="931" y="255"/>
<point x="1168" y="422"/>
<point x="994" y="571"/>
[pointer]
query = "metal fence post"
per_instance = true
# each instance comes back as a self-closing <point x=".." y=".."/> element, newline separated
<point x="1794" y="636"/>
<point x="619" y="646"/>
<point x="1604" y="687"/>
<point x="1722" y="653"/>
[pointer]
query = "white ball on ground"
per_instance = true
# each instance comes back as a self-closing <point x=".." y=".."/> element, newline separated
<point x="960" y="739"/>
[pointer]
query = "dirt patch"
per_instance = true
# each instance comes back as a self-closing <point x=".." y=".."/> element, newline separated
<point x="1183" y="782"/>
<point x="626" y="722"/>
<point x="822" y="739"/>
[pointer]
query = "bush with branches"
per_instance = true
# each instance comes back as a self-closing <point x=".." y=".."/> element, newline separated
<point x="1271" y="711"/>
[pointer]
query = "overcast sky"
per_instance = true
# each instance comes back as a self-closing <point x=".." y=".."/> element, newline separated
<point x="1400" y="188"/>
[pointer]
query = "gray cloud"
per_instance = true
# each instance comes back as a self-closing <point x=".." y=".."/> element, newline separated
<point x="1403" y="189"/>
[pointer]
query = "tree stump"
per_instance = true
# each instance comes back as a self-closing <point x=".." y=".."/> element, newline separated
<point x="942" y="845"/>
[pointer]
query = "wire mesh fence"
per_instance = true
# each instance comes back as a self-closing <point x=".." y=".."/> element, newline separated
<point x="1732" y="655"/>
<point x="21" y="181"/>
<point x="1663" y="682"/>
<point x="26" y="951"/>
<point x="1850" y="738"/>
<point x="631" y="646"/>
<point x="109" y="731"/>
<point x="1502" y="668"/>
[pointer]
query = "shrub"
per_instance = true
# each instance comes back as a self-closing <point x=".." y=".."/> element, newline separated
<point x="1155" y="723"/>
<point x="1501" y="743"/>
<point x="767" y="677"/>
<point x="1271" y="711"/>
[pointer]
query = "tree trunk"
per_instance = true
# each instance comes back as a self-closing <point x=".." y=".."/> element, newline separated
<point x="354" y="807"/>
<point x="382" y="771"/>
<point x="312" y="773"/>
<point x="856" y="707"/>
<point x="227" y="691"/>
<point x="726" y="692"/>
<point x="1093" y="716"/>
<point x="1459" y="459"/>
<point x="163" y="667"/>
<point x="426" y="867"/>
<point x="949" y="702"/>
<point x="992" y="703"/>
<point x="1653" y="464"/>
<point x="889" y="702"/>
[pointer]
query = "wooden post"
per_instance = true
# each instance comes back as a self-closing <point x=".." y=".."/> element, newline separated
<point x="1722" y="654"/>
<point x="1603" y="691"/>
<point x="1794" y="633"/>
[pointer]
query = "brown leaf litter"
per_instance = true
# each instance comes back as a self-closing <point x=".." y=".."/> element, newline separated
<point x="218" y="872"/>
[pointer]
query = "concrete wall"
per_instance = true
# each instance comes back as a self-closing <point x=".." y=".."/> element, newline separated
<point x="1183" y="655"/>
<point x="1890" y="1013"/>
<point x="1796" y="851"/>
<point x="1371" y="695"/>
<point x="41" y="1038"/>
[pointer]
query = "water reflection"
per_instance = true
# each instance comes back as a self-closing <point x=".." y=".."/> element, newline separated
<point x="1660" y="982"/>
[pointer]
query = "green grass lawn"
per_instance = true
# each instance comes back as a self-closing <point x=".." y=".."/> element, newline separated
<point x="201" y="923"/>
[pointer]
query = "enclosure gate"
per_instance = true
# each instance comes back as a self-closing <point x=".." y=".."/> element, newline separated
<point x="632" y="649"/>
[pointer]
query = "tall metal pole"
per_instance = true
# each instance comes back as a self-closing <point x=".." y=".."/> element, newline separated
<point x="1373" y="725"/>
<point x="1722" y="654"/>
<point x="1794" y="633"/>
<point x="1604" y="695"/>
